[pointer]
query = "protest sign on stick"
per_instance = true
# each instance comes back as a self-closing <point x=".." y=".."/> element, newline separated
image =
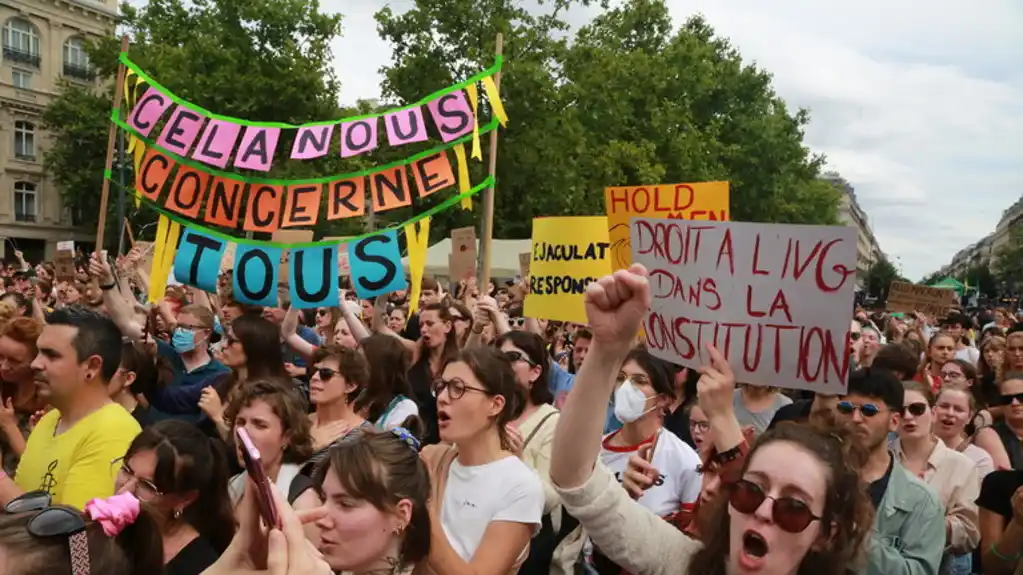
<point x="462" y="260"/>
<point x="907" y="297"/>
<point x="568" y="254"/>
<point x="774" y="298"/>
<point x="64" y="262"/>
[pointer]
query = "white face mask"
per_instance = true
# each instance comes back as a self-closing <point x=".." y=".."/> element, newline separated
<point x="630" y="403"/>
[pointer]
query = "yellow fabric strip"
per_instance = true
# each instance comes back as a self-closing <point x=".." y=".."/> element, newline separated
<point x="168" y="255"/>
<point x="159" y="243"/>
<point x="417" y="243"/>
<point x="464" y="185"/>
<point x="495" y="100"/>
<point x="474" y="100"/>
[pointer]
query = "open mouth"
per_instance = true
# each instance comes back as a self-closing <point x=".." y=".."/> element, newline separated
<point x="754" y="545"/>
<point x="443" y="418"/>
<point x="948" y="421"/>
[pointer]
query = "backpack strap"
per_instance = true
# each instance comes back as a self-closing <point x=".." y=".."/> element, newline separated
<point x="537" y="428"/>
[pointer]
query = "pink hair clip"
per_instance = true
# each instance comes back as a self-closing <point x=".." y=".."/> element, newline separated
<point x="114" y="513"/>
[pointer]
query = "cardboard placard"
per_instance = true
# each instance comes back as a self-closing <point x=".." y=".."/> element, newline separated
<point x="907" y="297"/>
<point x="289" y="237"/>
<point x="64" y="264"/>
<point x="524" y="260"/>
<point x="462" y="261"/>
<point x="773" y="298"/>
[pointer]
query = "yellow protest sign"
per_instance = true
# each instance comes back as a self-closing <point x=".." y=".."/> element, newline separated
<point x="567" y="254"/>
<point x="702" y="201"/>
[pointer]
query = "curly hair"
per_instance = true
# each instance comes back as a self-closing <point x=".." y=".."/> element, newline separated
<point x="286" y="404"/>
<point x="848" y="517"/>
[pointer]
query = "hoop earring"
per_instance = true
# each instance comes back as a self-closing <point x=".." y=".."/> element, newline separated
<point x="177" y="514"/>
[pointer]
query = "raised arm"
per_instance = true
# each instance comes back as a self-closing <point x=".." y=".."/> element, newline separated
<point x="615" y="307"/>
<point x="289" y="332"/>
<point x="121" y="312"/>
<point x="355" y="325"/>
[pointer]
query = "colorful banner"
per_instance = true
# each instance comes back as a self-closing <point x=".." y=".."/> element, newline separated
<point x="773" y="298"/>
<point x="702" y="201"/>
<point x="198" y="260"/>
<point x="213" y="138"/>
<point x="313" y="280"/>
<point x="568" y="254"/>
<point x="255" y="275"/>
<point x="376" y="267"/>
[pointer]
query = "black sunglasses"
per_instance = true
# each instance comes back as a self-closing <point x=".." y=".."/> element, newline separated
<point x="514" y="356"/>
<point x="789" y="513"/>
<point x="325" y="372"/>
<point x="867" y="409"/>
<point x="916" y="409"/>
<point x="322" y="312"/>
<point x="55" y="521"/>
<point x="1007" y="398"/>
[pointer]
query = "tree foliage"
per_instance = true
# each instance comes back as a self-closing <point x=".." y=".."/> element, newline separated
<point x="1008" y="261"/>
<point x="979" y="276"/>
<point x="628" y="101"/>
<point x="880" y="275"/>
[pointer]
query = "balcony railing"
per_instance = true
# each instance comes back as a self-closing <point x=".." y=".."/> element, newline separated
<point x="79" y="72"/>
<point x="22" y="57"/>
<point x="22" y="217"/>
<point x="25" y="157"/>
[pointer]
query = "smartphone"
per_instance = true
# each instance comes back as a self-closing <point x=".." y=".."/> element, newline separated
<point x="254" y="466"/>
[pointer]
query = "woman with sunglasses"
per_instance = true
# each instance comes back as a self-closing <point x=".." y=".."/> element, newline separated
<point x="113" y="536"/>
<point x="1010" y="427"/>
<point x="952" y="475"/>
<point x="325" y="321"/>
<point x="489" y="503"/>
<point x="182" y="476"/>
<point x="339" y="376"/>
<point x="817" y="522"/>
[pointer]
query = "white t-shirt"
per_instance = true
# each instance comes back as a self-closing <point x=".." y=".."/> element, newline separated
<point x="402" y="410"/>
<point x="679" y="483"/>
<point x="504" y="490"/>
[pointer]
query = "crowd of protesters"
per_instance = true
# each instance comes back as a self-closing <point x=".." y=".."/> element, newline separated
<point x="465" y="438"/>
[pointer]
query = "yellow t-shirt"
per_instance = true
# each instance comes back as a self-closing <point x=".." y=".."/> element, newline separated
<point x="74" y="466"/>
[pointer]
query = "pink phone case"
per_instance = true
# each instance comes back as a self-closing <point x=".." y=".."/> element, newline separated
<point x="254" y="466"/>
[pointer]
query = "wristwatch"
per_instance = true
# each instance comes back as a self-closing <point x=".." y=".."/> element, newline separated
<point x="108" y="287"/>
<point x="728" y="455"/>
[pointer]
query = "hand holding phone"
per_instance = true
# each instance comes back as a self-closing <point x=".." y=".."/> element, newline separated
<point x="254" y="467"/>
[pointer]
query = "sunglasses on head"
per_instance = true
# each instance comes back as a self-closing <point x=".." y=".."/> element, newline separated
<point x="55" y="521"/>
<point x="1007" y="398"/>
<point x="915" y="409"/>
<point x="867" y="409"/>
<point x="514" y="356"/>
<point x="788" y="513"/>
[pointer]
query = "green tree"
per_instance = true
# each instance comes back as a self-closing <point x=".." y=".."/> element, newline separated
<point x="1008" y="261"/>
<point x="880" y="275"/>
<point x="979" y="277"/>
<point x="628" y="101"/>
<point x="253" y="59"/>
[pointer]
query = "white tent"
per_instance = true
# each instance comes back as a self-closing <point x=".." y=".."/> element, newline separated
<point x="504" y="258"/>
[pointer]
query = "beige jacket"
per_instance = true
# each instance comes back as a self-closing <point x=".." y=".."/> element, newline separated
<point x="953" y="476"/>
<point x="625" y="531"/>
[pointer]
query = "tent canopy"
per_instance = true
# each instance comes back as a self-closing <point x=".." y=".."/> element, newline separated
<point x="504" y="262"/>
<point x="950" y="283"/>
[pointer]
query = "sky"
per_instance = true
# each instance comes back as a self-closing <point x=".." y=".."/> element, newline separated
<point x="919" y="105"/>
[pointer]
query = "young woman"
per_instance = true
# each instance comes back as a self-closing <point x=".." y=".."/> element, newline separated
<point x="326" y="320"/>
<point x="1013" y="352"/>
<point x="387" y="401"/>
<point x="954" y="409"/>
<point x="940" y="350"/>
<point x="870" y="343"/>
<point x="339" y="376"/>
<point x="461" y="317"/>
<point x="821" y="530"/>
<point x="437" y="346"/>
<point x="135" y="376"/>
<point x="376" y="491"/>
<point x="113" y="536"/>
<point x="182" y="476"/>
<point x="952" y="475"/>
<point x="397" y="319"/>
<point x="274" y="418"/>
<point x="990" y="370"/>
<point x="490" y="502"/>
<point x="17" y="381"/>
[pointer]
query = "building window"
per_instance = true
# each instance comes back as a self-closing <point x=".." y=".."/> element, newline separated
<point x="24" y="140"/>
<point x="21" y="79"/>
<point x="24" y="202"/>
<point x="76" y="60"/>
<point x="21" y="42"/>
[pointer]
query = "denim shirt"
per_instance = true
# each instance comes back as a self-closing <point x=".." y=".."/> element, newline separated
<point x="909" y="528"/>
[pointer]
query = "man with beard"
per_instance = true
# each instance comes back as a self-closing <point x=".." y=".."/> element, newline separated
<point x="69" y="452"/>
<point x="909" y="525"/>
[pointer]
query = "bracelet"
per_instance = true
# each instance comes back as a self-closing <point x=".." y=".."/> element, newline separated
<point x="108" y="287"/>
<point x="1014" y="558"/>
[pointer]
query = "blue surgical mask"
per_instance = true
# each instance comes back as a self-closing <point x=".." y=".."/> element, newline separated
<point x="183" y="340"/>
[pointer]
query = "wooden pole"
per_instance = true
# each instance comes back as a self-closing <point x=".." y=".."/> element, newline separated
<point x="104" y="191"/>
<point x="487" y="236"/>
<point x="131" y="236"/>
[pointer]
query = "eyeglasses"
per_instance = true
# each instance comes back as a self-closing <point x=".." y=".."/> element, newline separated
<point x="952" y="375"/>
<point x="916" y="409"/>
<point x="55" y="521"/>
<point x="789" y="513"/>
<point x="855" y="335"/>
<point x="514" y="356"/>
<point x="456" y="388"/>
<point x="322" y="312"/>
<point x="517" y="321"/>
<point x="867" y="409"/>
<point x="325" y="372"/>
<point x="701" y="426"/>
<point x="144" y="489"/>
<point x="1008" y="398"/>
<point x="636" y="378"/>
